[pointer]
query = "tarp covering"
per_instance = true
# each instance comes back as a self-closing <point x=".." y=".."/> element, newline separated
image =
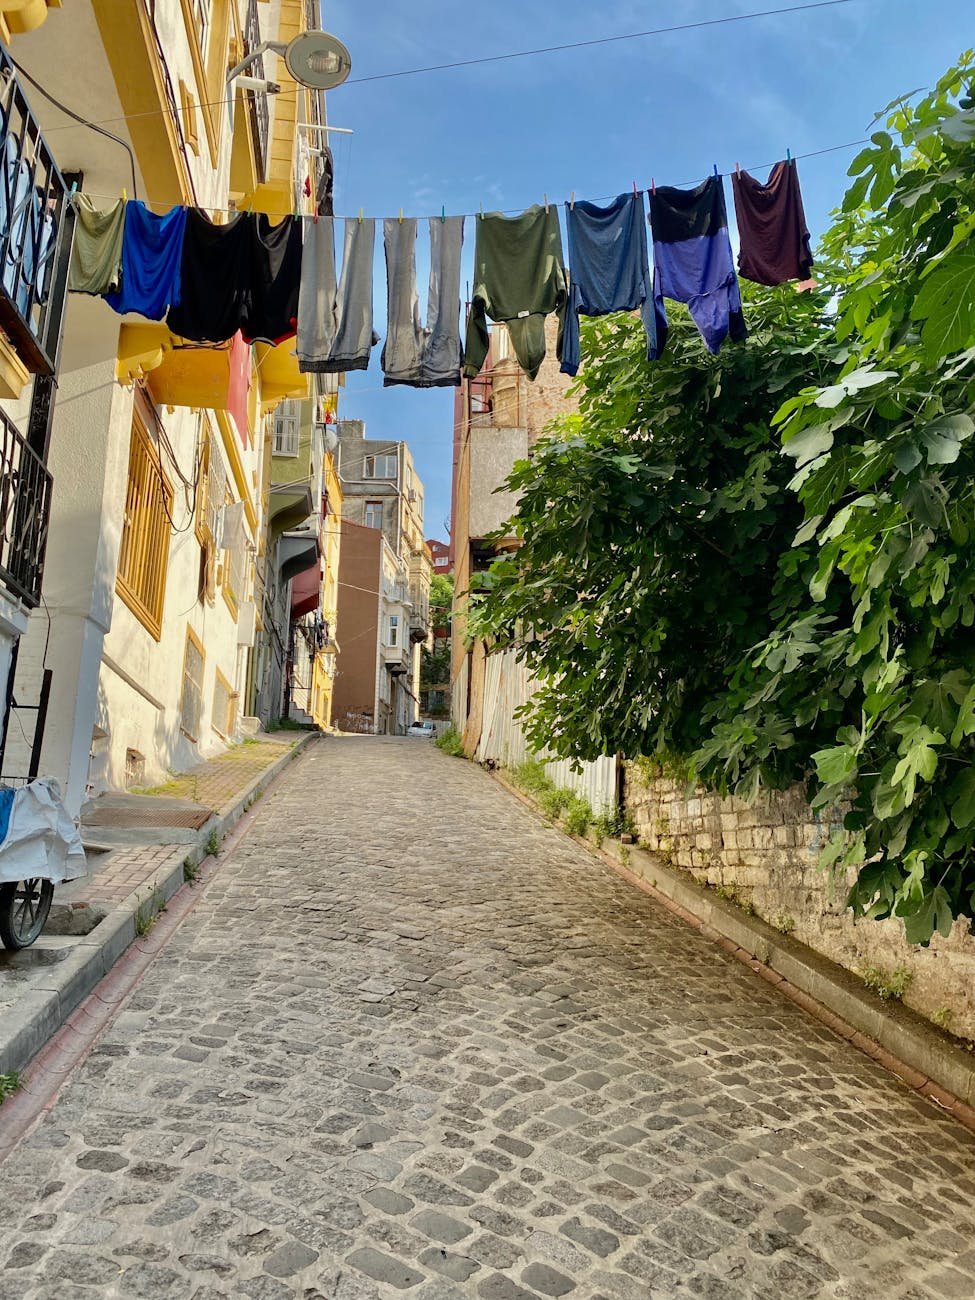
<point x="306" y="591"/>
<point x="41" y="840"/>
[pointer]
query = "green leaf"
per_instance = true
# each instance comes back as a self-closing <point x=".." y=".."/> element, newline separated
<point x="835" y="766"/>
<point x="810" y="443"/>
<point x="962" y="796"/>
<point x="965" y="726"/>
<point x="934" y="913"/>
<point x="946" y="305"/>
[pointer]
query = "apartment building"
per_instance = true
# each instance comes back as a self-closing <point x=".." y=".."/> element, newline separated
<point x="382" y="492"/>
<point x="498" y="418"/>
<point x="159" y="453"/>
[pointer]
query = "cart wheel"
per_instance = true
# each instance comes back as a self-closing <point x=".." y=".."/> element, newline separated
<point x="24" y="907"/>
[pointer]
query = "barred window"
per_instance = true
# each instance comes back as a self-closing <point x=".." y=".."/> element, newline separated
<point x="191" y="696"/>
<point x="144" y="551"/>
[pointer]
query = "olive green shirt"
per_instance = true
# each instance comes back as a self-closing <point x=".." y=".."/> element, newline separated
<point x="519" y="278"/>
<point x="96" y="254"/>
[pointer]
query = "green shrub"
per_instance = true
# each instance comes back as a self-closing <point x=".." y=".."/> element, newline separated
<point x="890" y="985"/>
<point x="451" y="742"/>
<point x="578" y="816"/>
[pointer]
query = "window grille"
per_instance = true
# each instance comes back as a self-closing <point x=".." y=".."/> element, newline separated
<point x="191" y="696"/>
<point x="287" y="430"/>
<point x="144" y="550"/>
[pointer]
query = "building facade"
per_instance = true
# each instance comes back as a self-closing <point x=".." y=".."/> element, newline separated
<point x="157" y="547"/>
<point x="498" y="418"/>
<point x="382" y="492"/>
<point x="440" y="555"/>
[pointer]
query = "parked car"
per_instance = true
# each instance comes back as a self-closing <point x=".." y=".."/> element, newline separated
<point x="425" y="730"/>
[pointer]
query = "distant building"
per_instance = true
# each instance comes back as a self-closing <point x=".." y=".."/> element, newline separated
<point x="440" y="551"/>
<point x="498" y="418"/>
<point x="382" y="494"/>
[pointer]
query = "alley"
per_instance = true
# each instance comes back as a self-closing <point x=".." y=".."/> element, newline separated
<point x="412" y="1041"/>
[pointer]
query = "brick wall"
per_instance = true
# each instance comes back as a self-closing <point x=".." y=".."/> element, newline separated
<point x="765" y="855"/>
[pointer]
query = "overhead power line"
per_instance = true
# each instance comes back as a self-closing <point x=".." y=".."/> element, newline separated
<point x="490" y="58"/>
<point x="601" y="40"/>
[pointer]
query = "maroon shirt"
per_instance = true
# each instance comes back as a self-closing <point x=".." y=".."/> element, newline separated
<point x="772" y="226"/>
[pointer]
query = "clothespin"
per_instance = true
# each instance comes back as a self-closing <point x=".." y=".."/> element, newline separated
<point x="443" y="213"/>
<point x="572" y="201"/>
<point x="125" y="197"/>
<point x="738" y="169"/>
<point x="545" y="197"/>
<point x="634" y="189"/>
<point x="401" y="216"/>
<point x="716" y="169"/>
<point x="74" y="189"/>
<point x="360" y="216"/>
<point x="482" y="210"/>
<point x="788" y="155"/>
<point x="653" y="186"/>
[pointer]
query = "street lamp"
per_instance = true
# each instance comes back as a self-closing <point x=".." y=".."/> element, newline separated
<point x="317" y="60"/>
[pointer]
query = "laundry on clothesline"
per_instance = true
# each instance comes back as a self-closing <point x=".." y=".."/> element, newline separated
<point x="152" y="254"/>
<point x="519" y="279"/>
<point x="693" y="262"/>
<point x="609" y="269"/>
<point x="271" y="280"/>
<point x="772" y="226"/>
<point x="335" y="332"/>
<point x="416" y="355"/>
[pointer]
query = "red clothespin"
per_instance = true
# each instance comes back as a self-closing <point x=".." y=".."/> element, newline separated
<point x="634" y="189"/>
<point x="653" y="186"/>
<point x="738" y="169"/>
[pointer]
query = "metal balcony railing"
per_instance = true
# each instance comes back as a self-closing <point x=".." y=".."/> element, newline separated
<point x="35" y="231"/>
<point x="25" y="511"/>
<point x="259" y="113"/>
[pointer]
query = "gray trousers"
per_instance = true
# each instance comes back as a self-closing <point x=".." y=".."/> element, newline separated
<point x="335" y="330"/>
<point x="421" y="357"/>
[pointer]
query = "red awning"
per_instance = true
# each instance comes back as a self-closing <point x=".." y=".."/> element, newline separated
<point x="306" y="591"/>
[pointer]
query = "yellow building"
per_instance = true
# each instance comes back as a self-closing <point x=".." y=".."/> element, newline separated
<point x="157" y="548"/>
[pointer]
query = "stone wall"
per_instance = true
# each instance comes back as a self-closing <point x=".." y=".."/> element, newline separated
<point x="765" y="856"/>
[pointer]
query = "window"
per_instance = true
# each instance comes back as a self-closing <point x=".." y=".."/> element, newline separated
<point x="374" y="514"/>
<point x="287" y="429"/>
<point x="201" y="16"/>
<point x="191" y="696"/>
<point x="188" y="105"/>
<point x="392" y="639"/>
<point x="224" y="706"/>
<point x="380" y="466"/>
<point x="144" y="551"/>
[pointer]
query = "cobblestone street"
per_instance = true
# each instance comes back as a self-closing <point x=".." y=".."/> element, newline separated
<point x="412" y="1041"/>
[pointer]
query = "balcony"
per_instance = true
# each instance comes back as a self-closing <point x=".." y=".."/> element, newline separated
<point x="25" y="509"/>
<point x="257" y="104"/>
<point x="36" y="222"/>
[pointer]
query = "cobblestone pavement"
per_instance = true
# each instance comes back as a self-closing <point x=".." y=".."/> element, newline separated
<point x="414" y="1042"/>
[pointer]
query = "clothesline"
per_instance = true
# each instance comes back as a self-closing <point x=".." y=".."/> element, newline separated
<point x="603" y="198"/>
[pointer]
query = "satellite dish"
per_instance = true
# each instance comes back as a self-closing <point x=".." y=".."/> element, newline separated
<point x="318" y="60"/>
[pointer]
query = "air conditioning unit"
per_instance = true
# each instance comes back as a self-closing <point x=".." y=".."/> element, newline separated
<point x="412" y="494"/>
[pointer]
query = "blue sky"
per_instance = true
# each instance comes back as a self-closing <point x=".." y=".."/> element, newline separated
<point x="595" y="120"/>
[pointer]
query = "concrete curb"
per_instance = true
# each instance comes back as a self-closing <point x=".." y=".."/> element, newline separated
<point x="36" y="1016"/>
<point x="890" y="1033"/>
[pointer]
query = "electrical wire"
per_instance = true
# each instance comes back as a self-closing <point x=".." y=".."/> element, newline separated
<point x="602" y="198"/>
<point x="601" y="40"/>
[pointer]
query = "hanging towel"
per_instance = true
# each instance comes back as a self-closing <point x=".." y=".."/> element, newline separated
<point x="609" y="269"/>
<point x="335" y="331"/>
<point x="272" y="315"/>
<point x="693" y="263"/>
<point x="519" y="278"/>
<point x="418" y="357"/>
<point x="216" y="278"/>
<point x="96" y="255"/>
<point x="152" y="250"/>
<point x="772" y="226"/>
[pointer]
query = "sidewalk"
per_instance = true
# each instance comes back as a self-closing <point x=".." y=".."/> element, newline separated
<point x="141" y="848"/>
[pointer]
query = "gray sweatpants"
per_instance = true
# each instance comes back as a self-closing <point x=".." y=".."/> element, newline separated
<point x="421" y="357"/>
<point x="335" y="321"/>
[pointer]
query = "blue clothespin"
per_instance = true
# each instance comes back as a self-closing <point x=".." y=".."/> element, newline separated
<point x="74" y="189"/>
<point x="788" y="155"/>
<point x="715" y="169"/>
<point x="443" y="213"/>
